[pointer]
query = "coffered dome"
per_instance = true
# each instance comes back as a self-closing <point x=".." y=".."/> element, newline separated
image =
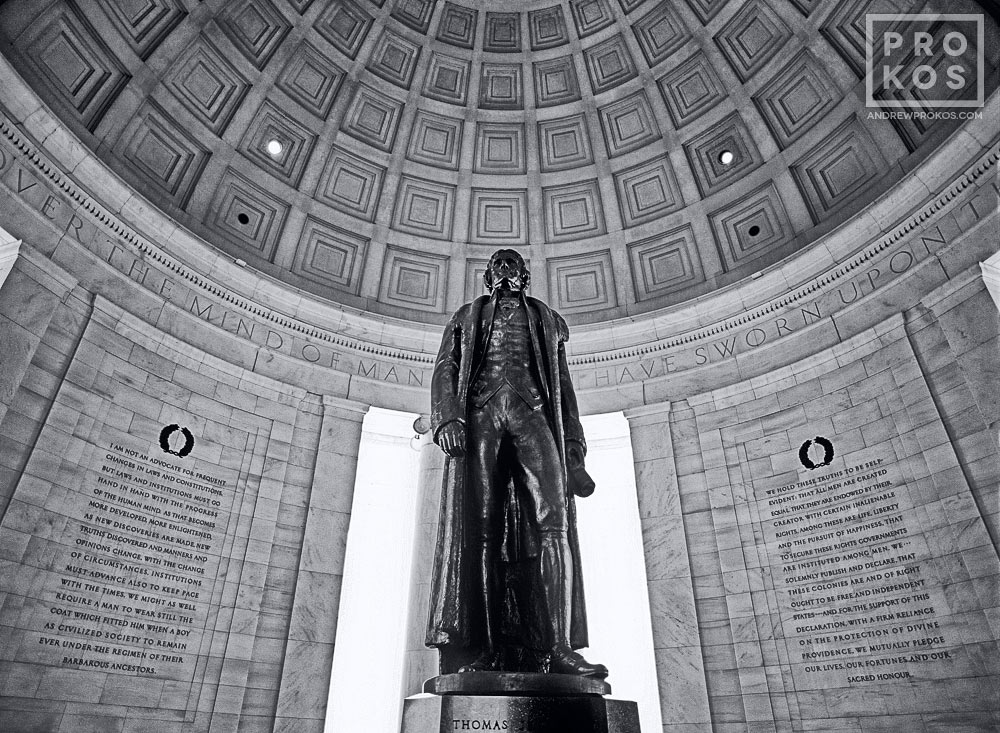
<point x="375" y="152"/>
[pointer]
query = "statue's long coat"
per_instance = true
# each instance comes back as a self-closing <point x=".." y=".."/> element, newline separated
<point x="450" y="620"/>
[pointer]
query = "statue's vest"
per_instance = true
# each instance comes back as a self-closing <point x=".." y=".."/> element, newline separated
<point x="506" y="356"/>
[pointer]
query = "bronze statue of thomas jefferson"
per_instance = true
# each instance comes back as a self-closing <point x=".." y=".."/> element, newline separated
<point x="507" y="592"/>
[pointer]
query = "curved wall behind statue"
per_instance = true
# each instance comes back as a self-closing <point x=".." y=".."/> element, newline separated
<point x="180" y="437"/>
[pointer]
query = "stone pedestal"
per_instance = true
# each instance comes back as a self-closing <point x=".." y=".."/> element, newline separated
<point x="522" y="703"/>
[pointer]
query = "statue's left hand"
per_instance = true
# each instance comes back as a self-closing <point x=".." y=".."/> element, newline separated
<point x="451" y="438"/>
<point x="574" y="454"/>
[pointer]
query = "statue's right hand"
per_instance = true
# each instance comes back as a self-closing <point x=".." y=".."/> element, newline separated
<point x="451" y="438"/>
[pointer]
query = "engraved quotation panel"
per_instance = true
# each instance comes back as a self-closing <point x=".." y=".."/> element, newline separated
<point x="863" y="530"/>
<point x="141" y="519"/>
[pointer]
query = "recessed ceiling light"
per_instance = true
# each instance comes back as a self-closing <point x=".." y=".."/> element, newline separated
<point x="726" y="157"/>
<point x="274" y="147"/>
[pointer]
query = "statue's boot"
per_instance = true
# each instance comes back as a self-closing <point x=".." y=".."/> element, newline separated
<point x="489" y="585"/>
<point x="488" y="661"/>
<point x="566" y="661"/>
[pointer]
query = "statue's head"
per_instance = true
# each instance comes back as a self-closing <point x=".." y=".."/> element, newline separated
<point x="506" y="270"/>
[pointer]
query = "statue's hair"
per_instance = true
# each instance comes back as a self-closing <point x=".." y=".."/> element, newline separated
<point x="488" y="277"/>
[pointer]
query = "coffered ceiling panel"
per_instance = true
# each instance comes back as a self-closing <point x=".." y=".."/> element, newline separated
<point x="639" y="153"/>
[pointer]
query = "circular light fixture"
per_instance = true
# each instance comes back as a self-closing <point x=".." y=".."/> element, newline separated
<point x="243" y="218"/>
<point x="726" y="157"/>
<point x="753" y="231"/>
<point x="275" y="147"/>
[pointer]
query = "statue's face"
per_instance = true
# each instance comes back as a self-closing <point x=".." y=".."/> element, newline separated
<point x="506" y="271"/>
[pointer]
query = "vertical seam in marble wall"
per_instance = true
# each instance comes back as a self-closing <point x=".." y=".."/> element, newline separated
<point x="300" y="428"/>
<point x="677" y="426"/>
<point x="38" y="265"/>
